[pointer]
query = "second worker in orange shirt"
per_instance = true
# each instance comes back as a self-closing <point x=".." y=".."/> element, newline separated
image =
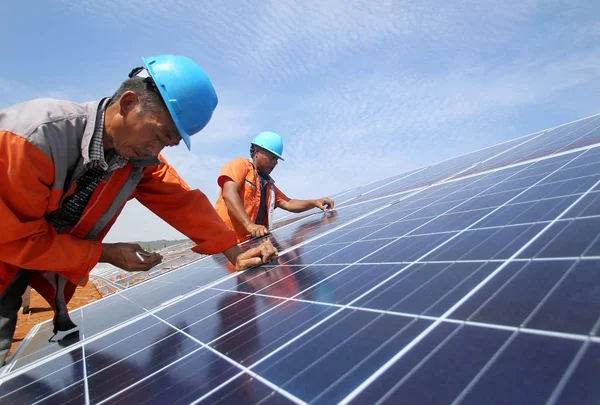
<point x="248" y="194"/>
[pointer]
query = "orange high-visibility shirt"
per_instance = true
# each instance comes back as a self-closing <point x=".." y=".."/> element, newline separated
<point x="245" y="175"/>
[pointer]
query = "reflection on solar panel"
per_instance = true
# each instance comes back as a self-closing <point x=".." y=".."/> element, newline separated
<point x="472" y="281"/>
<point x="108" y="278"/>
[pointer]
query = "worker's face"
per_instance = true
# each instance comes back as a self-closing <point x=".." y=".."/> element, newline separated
<point x="265" y="161"/>
<point x="142" y="133"/>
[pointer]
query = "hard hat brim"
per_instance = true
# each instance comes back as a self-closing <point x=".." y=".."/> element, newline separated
<point x="265" y="148"/>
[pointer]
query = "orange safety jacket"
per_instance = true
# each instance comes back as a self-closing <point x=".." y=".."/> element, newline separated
<point x="44" y="149"/>
<point x="243" y="172"/>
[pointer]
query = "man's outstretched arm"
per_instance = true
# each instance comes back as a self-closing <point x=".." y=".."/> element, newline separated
<point x="304" y="205"/>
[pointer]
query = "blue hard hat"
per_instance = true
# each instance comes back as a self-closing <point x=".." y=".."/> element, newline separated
<point x="186" y="90"/>
<point x="270" y="141"/>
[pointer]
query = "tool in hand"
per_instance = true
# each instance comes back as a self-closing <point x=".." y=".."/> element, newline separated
<point x="142" y="255"/>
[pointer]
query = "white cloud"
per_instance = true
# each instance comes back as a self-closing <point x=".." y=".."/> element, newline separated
<point x="199" y="170"/>
<point x="137" y="223"/>
<point x="234" y="118"/>
<point x="13" y="92"/>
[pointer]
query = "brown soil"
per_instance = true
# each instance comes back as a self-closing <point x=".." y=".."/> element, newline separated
<point x="40" y="311"/>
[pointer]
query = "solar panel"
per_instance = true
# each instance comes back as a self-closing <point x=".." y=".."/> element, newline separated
<point x="472" y="281"/>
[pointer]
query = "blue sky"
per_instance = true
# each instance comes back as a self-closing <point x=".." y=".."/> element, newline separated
<point x="359" y="90"/>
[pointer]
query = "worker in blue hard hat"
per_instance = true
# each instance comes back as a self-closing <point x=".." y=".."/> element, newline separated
<point x="248" y="193"/>
<point x="67" y="170"/>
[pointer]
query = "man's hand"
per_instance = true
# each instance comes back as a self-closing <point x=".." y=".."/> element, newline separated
<point x="257" y="230"/>
<point x="252" y="257"/>
<point x="323" y="203"/>
<point x="124" y="255"/>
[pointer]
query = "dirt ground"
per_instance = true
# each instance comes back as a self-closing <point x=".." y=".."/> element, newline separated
<point x="40" y="311"/>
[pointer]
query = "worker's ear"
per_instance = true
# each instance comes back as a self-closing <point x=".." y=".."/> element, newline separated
<point x="128" y="102"/>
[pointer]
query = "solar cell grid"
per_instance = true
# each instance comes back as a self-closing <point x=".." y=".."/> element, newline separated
<point x="570" y="136"/>
<point x="438" y="172"/>
<point x="477" y="277"/>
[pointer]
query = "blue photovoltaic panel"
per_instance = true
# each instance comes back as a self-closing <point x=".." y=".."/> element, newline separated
<point x="472" y="281"/>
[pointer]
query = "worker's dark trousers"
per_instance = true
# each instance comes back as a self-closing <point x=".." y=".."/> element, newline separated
<point x="10" y="303"/>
